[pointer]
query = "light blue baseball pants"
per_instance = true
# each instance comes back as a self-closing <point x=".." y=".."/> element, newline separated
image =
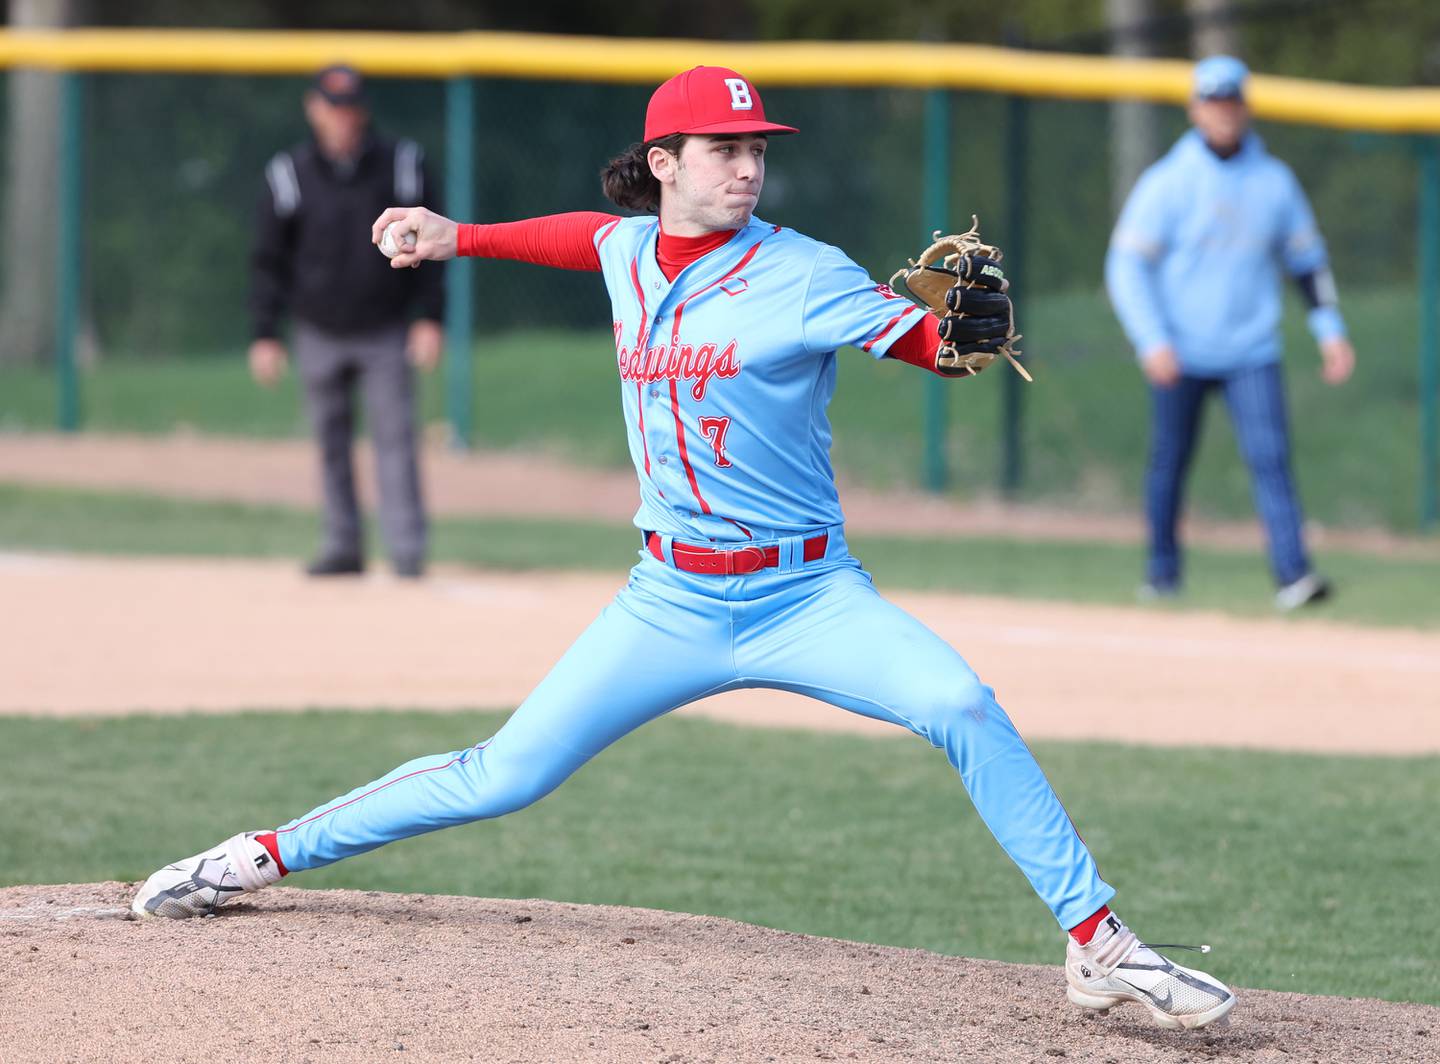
<point x="670" y="638"/>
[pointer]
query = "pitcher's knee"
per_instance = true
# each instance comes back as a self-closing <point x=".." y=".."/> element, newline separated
<point x="507" y="793"/>
<point x="944" y="709"/>
<point x="498" y="785"/>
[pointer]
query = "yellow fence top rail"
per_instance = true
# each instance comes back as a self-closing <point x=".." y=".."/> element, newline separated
<point x="521" y="55"/>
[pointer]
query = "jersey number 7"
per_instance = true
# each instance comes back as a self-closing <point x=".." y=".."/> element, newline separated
<point x="714" y="429"/>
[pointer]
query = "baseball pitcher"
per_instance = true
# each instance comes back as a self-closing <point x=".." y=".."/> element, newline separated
<point x="726" y="331"/>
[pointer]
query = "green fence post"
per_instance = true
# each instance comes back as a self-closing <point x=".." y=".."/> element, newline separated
<point x="67" y="252"/>
<point x="935" y="196"/>
<point x="1429" y="336"/>
<point x="1012" y="454"/>
<point x="460" y="205"/>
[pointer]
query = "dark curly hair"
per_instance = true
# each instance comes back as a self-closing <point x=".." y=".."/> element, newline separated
<point x="627" y="180"/>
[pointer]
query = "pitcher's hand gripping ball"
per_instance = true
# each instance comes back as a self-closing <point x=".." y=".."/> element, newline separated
<point x="959" y="280"/>
<point x="390" y="244"/>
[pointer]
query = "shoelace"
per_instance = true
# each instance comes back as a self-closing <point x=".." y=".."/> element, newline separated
<point x="1177" y="945"/>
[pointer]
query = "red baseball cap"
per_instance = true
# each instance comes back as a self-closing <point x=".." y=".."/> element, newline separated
<point x="707" y="100"/>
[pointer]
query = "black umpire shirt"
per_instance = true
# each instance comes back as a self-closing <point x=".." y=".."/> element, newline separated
<point x="313" y="255"/>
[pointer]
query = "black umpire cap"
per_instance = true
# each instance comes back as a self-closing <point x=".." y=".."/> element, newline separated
<point x="341" y="85"/>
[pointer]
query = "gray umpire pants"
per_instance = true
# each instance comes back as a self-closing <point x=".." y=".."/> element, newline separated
<point x="329" y="367"/>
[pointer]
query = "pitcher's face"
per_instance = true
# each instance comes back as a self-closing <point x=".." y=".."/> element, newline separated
<point x="715" y="182"/>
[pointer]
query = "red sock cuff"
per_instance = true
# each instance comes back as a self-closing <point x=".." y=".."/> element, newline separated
<point x="272" y="847"/>
<point x="1084" y="932"/>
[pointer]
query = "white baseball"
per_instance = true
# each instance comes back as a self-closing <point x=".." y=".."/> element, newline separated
<point x="388" y="245"/>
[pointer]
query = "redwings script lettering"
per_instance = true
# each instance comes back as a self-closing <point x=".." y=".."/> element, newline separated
<point x="677" y="362"/>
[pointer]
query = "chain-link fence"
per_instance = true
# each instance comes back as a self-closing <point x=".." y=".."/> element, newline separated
<point x="172" y="167"/>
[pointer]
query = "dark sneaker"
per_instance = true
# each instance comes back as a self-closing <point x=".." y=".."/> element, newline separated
<point x="409" y="568"/>
<point x="335" y="565"/>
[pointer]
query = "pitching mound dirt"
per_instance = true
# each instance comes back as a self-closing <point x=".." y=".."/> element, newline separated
<point x="325" y="976"/>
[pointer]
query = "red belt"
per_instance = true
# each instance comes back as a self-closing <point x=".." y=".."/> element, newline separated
<point x="737" y="562"/>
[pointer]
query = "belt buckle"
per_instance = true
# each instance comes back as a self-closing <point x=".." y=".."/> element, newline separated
<point x="744" y="561"/>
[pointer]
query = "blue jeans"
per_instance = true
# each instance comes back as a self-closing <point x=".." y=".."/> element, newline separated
<point x="1256" y="399"/>
<point x="671" y="638"/>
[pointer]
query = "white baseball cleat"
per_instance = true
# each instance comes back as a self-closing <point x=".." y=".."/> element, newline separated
<point x="1310" y="588"/>
<point x="1116" y="967"/>
<point x="199" y="885"/>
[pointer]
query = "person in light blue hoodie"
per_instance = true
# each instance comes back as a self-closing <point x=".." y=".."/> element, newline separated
<point x="1194" y="273"/>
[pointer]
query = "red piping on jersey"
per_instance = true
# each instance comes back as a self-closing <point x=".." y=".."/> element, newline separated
<point x="674" y="385"/>
<point x="640" y="339"/>
<point x="684" y="451"/>
<point x="604" y="233"/>
<point x="744" y="261"/>
<point x="888" y="326"/>
<point x="388" y="783"/>
<point x="640" y="408"/>
<point x="644" y="333"/>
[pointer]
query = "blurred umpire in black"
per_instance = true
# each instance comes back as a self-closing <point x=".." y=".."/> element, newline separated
<point x="356" y="321"/>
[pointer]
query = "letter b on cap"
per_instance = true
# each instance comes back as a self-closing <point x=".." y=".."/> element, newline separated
<point x="740" y="98"/>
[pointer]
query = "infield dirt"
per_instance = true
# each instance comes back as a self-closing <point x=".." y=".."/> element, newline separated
<point x="114" y="636"/>
<point x="321" y="976"/>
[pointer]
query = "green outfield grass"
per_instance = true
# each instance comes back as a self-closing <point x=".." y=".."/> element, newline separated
<point x="1084" y="421"/>
<point x="1305" y="873"/>
<point x="1373" y="590"/>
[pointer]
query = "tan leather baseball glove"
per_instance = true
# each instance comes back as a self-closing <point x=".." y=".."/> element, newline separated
<point x="959" y="279"/>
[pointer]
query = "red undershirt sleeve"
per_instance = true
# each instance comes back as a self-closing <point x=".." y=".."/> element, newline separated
<point x="919" y="345"/>
<point x="566" y="241"/>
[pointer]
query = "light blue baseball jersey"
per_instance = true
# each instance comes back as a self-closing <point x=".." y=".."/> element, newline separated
<point x="726" y="374"/>
<point x="1197" y="256"/>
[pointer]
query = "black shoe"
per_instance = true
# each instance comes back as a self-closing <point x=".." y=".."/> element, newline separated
<point x="335" y="565"/>
<point x="409" y="568"/>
